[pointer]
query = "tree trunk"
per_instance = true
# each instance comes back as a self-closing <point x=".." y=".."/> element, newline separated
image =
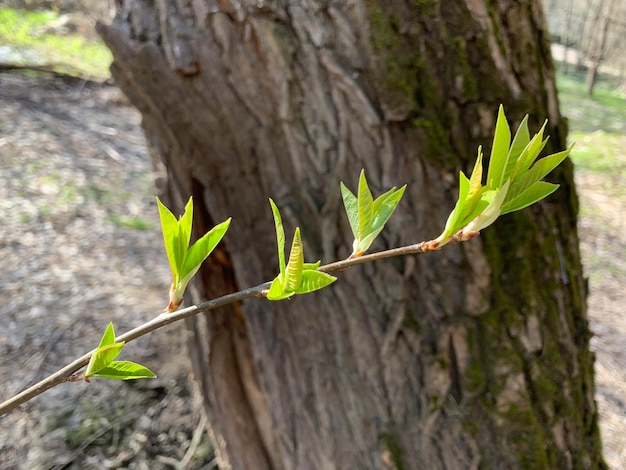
<point x="476" y="356"/>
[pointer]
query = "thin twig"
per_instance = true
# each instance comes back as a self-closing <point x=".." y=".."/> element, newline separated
<point x="64" y="374"/>
<point x="67" y="373"/>
<point x="195" y="442"/>
<point x="402" y="251"/>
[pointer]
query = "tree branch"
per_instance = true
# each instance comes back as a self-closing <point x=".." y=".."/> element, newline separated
<point x="67" y="373"/>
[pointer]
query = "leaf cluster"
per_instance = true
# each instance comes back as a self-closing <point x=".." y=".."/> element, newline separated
<point x="102" y="363"/>
<point x="367" y="215"/>
<point x="513" y="180"/>
<point x="295" y="276"/>
<point x="185" y="261"/>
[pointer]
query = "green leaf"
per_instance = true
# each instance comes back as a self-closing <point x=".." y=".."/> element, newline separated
<point x="176" y="234"/>
<point x="453" y="222"/>
<point x="295" y="264"/>
<point x="486" y="197"/>
<point x="535" y="193"/>
<point x="367" y="216"/>
<point x="513" y="181"/>
<point x="184" y="234"/>
<point x="102" y="357"/>
<point x="108" y="337"/>
<point x="384" y="206"/>
<point x="530" y="153"/>
<point x="295" y="277"/>
<point x="202" y="248"/>
<point x="125" y="370"/>
<point x="106" y="352"/>
<point x="280" y="236"/>
<point x="489" y="215"/>
<point x="365" y="203"/>
<point x="185" y="261"/>
<point x="314" y="280"/>
<point x="476" y="177"/>
<point x="361" y="246"/>
<point x="474" y="192"/>
<point x="352" y="209"/>
<point x="379" y="201"/>
<point x="540" y="169"/>
<point x="520" y="141"/>
<point x="499" y="151"/>
<point x="276" y="291"/>
<point x="169" y="227"/>
<point x="197" y="254"/>
<point x="311" y="266"/>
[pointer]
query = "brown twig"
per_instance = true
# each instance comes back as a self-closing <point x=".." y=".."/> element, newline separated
<point x="65" y="374"/>
<point x="68" y="373"/>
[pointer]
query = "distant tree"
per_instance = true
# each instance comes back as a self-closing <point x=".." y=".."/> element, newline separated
<point x="594" y="30"/>
<point x="600" y="44"/>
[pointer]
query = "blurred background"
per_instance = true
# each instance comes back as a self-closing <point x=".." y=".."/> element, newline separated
<point x="80" y="243"/>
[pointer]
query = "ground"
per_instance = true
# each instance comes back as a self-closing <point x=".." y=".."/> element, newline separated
<point x="603" y="232"/>
<point x="80" y="246"/>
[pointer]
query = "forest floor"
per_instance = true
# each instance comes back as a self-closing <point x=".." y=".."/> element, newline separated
<point x="80" y="246"/>
<point x="598" y="126"/>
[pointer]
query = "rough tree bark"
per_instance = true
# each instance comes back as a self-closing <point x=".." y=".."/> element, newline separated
<point x="473" y="357"/>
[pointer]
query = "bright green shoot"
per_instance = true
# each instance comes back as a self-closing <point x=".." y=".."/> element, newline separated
<point x="295" y="276"/>
<point x="368" y="216"/>
<point x="102" y="363"/>
<point x="513" y="181"/>
<point x="185" y="261"/>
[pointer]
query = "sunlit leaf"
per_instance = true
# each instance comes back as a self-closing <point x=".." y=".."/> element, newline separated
<point x="474" y="191"/>
<point x="280" y="236"/>
<point x="491" y="212"/>
<point x="314" y="280"/>
<point x="295" y="264"/>
<point x="108" y="337"/>
<point x="535" y="193"/>
<point x="453" y="222"/>
<point x="486" y="197"/>
<point x="276" y="291"/>
<point x="352" y="209"/>
<point x="311" y="266"/>
<point x="385" y="205"/>
<point x="499" y="151"/>
<point x="530" y="153"/>
<point x="125" y="370"/>
<point x="513" y="181"/>
<point x="520" y="141"/>
<point x="379" y="201"/>
<point x="476" y="178"/>
<point x="365" y="203"/>
<point x="202" y="248"/>
<point x="383" y="208"/>
<point x="184" y="235"/>
<point x="361" y="246"/>
<point x="539" y="170"/>
<point x="102" y="357"/>
<point x="295" y="277"/>
<point x="169" y="227"/>
<point x="185" y="261"/>
<point x="367" y="216"/>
